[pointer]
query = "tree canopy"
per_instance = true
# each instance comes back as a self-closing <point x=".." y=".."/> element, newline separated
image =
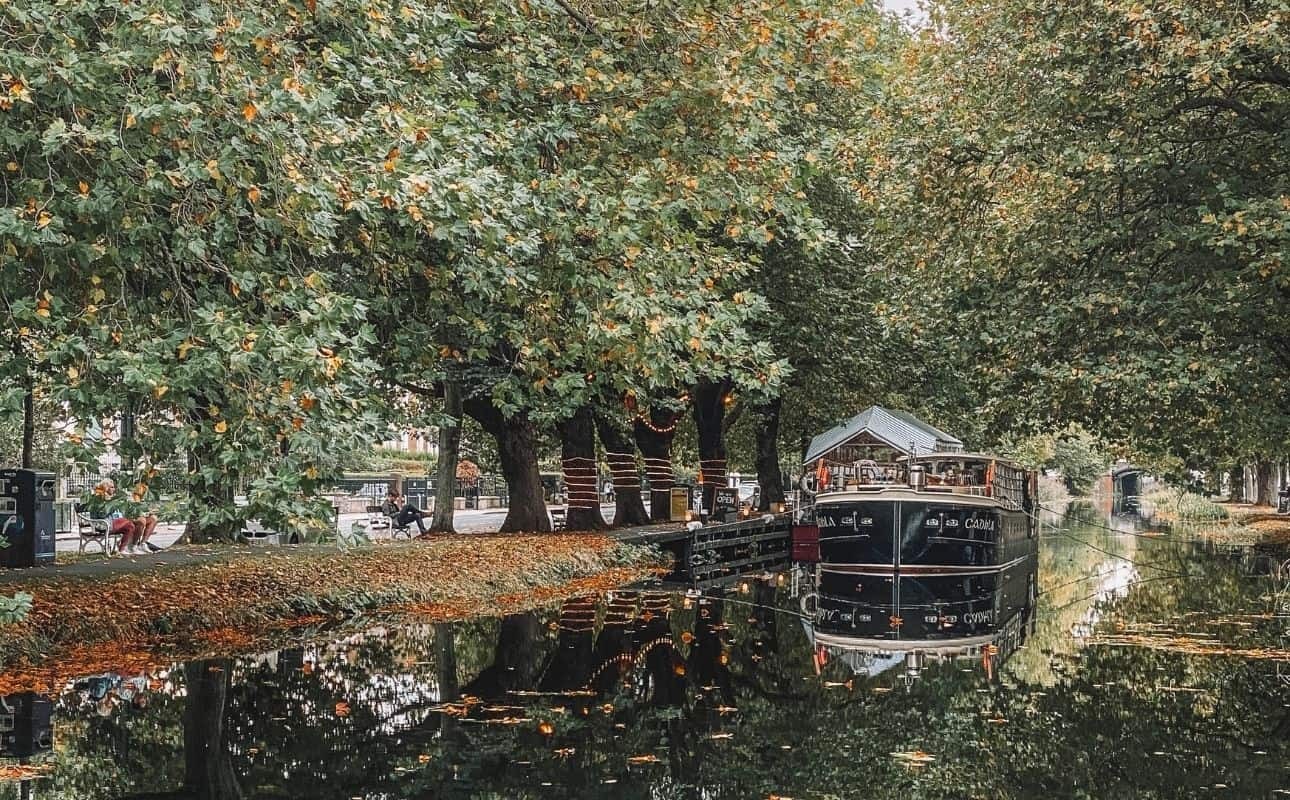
<point x="268" y="235"/>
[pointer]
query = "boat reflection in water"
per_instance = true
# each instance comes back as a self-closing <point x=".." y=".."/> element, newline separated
<point x="940" y="565"/>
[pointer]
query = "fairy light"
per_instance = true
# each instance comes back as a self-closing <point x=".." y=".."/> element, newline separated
<point x="662" y="430"/>
<point x="622" y="468"/>
<point x="659" y="472"/>
<point x="712" y="472"/>
<point x="580" y="480"/>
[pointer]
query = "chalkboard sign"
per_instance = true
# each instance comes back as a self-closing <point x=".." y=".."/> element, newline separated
<point x="725" y="504"/>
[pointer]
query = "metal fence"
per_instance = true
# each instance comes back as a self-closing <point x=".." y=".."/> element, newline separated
<point x="419" y="491"/>
<point x="81" y="482"/>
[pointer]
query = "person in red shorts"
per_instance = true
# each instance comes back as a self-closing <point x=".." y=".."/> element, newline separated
<point x="126" y="517"/>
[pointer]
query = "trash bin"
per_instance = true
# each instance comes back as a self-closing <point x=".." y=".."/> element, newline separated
<point x="26" y="725"/>
<point x="26" y="517"/>
<point x="1283" y="501"/>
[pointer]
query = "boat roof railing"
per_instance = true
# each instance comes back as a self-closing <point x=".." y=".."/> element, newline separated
<point x="959" y="457"/>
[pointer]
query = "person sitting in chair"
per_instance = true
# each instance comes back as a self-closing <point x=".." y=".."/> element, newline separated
<point x="402" y="512"/>
<point x="126" y="517"/>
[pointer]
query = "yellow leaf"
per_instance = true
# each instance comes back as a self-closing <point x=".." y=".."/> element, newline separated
<point x="184" y="347"/>
<point x="221" y="426"/>
<point x="130" y="121"/>
<point x="73" y="373"/>
<point x="160" y="391"/>
<point x="695" y="344"/>
<point x="212" y="168"/>
<point x="312" y="474"/>
<point x="43" y="219"/>
<point x="249" y="111"/>
<point x="253" y="194"/>
<point x="218" y="54"/>
<point x="84" y="187"/>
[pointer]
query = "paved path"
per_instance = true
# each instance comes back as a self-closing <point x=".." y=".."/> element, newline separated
<point x="467" y="521"/>
<point x="92" y="564"/>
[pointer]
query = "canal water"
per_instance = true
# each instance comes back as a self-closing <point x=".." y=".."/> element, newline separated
<point x="1152" y="667"/>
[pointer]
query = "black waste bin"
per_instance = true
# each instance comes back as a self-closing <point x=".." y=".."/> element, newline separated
<point x="1283" y="501"/>
<point x="26" y="517"/>
<point x="26" y="725"/>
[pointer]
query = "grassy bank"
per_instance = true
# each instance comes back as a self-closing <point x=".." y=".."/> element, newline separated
<point x="80" y="625"/>
<point x="1169" y="504"/>
<point x="1233" y="523"/>
<point x="1269" y="527"/>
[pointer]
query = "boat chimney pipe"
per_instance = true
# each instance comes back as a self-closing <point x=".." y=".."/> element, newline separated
<point x="917" y="478"/>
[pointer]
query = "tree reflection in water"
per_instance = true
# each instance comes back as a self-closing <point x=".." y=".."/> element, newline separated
<point x="645" y="694"/>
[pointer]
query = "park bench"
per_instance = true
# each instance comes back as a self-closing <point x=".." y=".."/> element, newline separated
<point x="378" y="519"/>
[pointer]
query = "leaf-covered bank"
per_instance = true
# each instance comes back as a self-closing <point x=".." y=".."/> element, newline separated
<point x="79" y="625"/>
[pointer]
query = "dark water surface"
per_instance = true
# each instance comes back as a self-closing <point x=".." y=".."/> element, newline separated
<point x="1155" y="668"/>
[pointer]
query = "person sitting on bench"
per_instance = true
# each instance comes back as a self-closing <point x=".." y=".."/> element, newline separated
<point x="402" y="512"/>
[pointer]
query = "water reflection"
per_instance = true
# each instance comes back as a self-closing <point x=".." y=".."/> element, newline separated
<point x="1178" y="686"/>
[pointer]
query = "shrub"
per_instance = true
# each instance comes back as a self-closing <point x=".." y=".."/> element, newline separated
<point x="14" y="609"/>
<point x="1178" y="504"/>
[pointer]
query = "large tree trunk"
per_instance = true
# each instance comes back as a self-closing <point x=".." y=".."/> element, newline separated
<point x="570" y="667"/>
<point x="578" y="460"/>
<point x="710" y="418"/>
<point x="517" y="658"/>
<point x="208" y="767"/>
<point x="445" y="651"/>
<point x="769" y="475"/>
<point x="445" y="494"/>
<point x="629" y="508"/>
<point x="654" y="436"/>
<point x="517" y="450"/>
<point x="1265" y="495"/>
<point x="1236" y="484"/>
<point x="214" y="514"/>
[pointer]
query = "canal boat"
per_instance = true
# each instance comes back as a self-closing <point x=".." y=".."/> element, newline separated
<point x="930" y="556"/>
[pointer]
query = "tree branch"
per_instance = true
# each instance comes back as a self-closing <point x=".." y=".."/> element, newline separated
<point x="577" y="15"/>
<point x="1236" y="106"/>
<point x="425" y="391"/>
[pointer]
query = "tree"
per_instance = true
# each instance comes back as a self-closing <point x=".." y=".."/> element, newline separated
<point x="1102" y="168"/>
<point x="191" y="177"/>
